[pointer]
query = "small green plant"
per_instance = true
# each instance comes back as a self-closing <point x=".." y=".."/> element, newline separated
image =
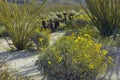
<point x="92" y="31"/>
<point x="20" y="21"/>
<point x="75" y="24"/>
<point x="73" y="58"/>
<point x="104" y="14"/>
<point x="78" y="20"/>
<point x="6" y="75"/>
<point x="41" y="38"/>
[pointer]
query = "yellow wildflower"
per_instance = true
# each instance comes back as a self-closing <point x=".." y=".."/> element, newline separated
<point x="97" y="50"/>
<point x="78" y="37"/>
<point x="91" y="66"/>
<point x="49" y="62"/>
<point x="86" y="55"/>
<point x="40" y="39"/>
<point x="110" y="58"/>
<point x="59" y="59"/>
<point x="37" y="30"/>
<point x="104" y="52"/>
<point x="97" y="47"/>
<point x="83" y="39"/>
<point x="90" y="42"/>
<point x="87" y="35"/>
<point x="76" y="41"/>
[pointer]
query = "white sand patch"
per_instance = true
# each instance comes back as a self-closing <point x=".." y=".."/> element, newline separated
<point x="23" y="62"/>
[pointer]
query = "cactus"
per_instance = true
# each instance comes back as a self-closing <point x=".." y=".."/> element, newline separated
<point x="56" y="25"/>
<point x="44" y="24"/>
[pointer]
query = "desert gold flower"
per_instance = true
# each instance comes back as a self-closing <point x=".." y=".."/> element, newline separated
<point x="40" y="39"/>
<point x="104" y="52"/>
<point x="37" y="30"/>
<point x="49" y="62"/>
<point x="87" y="35"/>
<point x="91" y="66"/>
<point x="76" y="41"/>
<point x="78" y="37"/>
<point x="60" y="59"/>
<point x="97" y="47"/>
<point x="86" y="56"/>
<point x="90" y="42"/>
<point x="110" y="58"/>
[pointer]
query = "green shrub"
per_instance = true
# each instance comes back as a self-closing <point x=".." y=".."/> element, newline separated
<point x="20" y="21"/>
<point x="104" y="14"/>
<point x="75" y="24"/>
<point x="78" y="21"/>
<point x="92" y="31"/>
<point x="41" y="38"/>
<point x="73" y="58"/>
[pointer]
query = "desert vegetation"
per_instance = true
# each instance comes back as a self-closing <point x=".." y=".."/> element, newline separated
<point x="89" y="30"/>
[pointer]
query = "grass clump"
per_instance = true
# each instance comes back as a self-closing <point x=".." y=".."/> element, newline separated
<point x="20" y="21"/>
<point x="104" y="14"/>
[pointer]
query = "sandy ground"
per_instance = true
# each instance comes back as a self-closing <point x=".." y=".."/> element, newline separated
<point x="23" y="62"/>
<point x="113" y="72"/>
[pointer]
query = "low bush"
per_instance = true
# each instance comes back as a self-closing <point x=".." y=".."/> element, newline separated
<point x="78" y="21"/>
<point x="75" y="24"/>
<point x="91" y="30"/>
<point x="73" y="58"/>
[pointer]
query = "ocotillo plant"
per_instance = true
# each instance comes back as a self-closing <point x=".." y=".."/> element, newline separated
<point x="20" y="21"/>
<point x="104" y="14"/>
